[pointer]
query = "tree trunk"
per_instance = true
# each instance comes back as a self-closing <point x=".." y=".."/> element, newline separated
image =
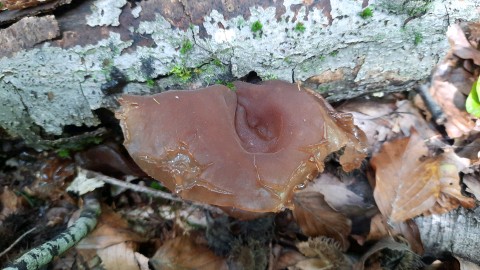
<point x="58" y="72"/>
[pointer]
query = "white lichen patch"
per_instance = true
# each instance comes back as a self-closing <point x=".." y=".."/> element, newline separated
<point x="60" y="87"/>
<point x="136" y="11"/>
<point x="105" y="12"/>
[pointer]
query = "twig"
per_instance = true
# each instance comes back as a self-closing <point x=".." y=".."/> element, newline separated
<point x="42" y="255"/>
<point x="138" y="188"/>
<point x="432" y="105"/>
<point x="18" y="240"/>
<point x="153" y="192"/>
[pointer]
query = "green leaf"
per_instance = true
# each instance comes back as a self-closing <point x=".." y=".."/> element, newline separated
<point x="473" y="103"/>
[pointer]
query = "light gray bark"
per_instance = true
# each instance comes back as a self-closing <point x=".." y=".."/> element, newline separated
<point x="456" y="232"/>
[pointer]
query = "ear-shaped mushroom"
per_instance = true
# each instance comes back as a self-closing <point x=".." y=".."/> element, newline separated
<point x="249" y="149"/>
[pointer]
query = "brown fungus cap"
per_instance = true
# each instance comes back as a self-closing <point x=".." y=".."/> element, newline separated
<point x="247" y="149"/>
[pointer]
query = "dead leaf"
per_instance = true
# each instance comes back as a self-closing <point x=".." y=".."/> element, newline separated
<point x="409" y="183"/>
<point x="452" y="102"/>
<point x="285" y="257"/>
<point x="315" y="217"/>
<point x="390" y="253"/>
<point x="452" y="81"/>
<point x="381" y="228"/>
<point x="122" y="256"/>
<point x="466" y="265"/>
<point x="322" y="253"/>
<point x="340" y="197"/>
<point x="10" y="203"/>
<point x="383" y="121"/>
<point x="111" y="229"/>
<point x="185" y="253"/>
<point x="473" y="185"/>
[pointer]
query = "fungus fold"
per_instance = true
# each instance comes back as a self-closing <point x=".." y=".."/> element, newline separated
<point x="248" y="149"/>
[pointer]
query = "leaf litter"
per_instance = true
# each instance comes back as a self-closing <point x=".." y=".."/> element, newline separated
<point x="363" y="219"/>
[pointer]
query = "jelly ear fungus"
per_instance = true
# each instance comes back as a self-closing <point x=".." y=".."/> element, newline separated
<point x="247" y="149"/>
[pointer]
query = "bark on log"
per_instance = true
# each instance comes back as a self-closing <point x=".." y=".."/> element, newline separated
<point x="109" y="47"/>
<point x="456" y="232"/>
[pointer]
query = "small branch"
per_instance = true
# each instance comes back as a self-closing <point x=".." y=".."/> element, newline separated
<point x="138" y="188"/>
<point x="435" y="109"/>
<point x="18" y="240"/>
<point x="42" y="255"/>
<point x="153" y="192"/>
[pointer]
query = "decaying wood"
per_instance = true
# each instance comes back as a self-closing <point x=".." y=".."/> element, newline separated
<point x="456" y="232"/>
<point x="155" y="45"/>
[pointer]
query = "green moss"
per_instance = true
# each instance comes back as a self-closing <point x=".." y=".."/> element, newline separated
<point x="366" y="13"/>
<point x="65" y="150"/>
<point x="217" y="62"/>
<point x="256" y="26"/>
<point x="334" y="53"/>
<point x="269" y="77"/>
<point x="227" y="84"/>
<point x="150" y="82"/>
<point x="186" y="46"/>
<point x="63" y="153"/>
<point x="408" y="7"/>
<point x="300" y="27"/>
<point x="181" y="72"/>
<point x="418" y="38"/>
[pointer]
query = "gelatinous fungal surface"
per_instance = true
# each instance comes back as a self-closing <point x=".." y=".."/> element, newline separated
<point x="248" y="149"/>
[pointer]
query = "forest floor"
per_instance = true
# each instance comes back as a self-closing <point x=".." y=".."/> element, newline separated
<point x="423" y="157"/>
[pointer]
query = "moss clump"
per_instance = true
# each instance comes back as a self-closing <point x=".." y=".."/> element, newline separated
<point x="65" y="150"/>
<point x="217" y="62"/>
<point x="227" y="84"/>
<point x="186" y="46"/>
<point x="366" y="13"/>
<point x="256" y="26"/>
<point x="150" y="83"/>
<point x="300" y="27"/>
<point x="418" y="38"/>
<point x="181" y="72"/>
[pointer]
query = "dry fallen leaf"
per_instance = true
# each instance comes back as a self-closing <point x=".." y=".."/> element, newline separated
<point x="111" y="229"/>
<point x="387" y="120"/>
<point x="453" y="79"/>
<point x="10" y="203"/>
<point x="284" y="257"/>
<point x="409" y="183"/>
<point x="113" y="242"/>
<point x="340" y="196"/>
<point x="122" y="256"/>
<point x="467" y="265"/>
<point x="473" y="185"/>
<point x="322" y="253"/>
<point x="381" y="228"/>
<point x="185" y="253"/>
<point x="315" y="217"/>
<point x="390" y="253"/>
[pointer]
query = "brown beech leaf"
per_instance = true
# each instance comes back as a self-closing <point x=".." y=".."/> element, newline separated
<point x="351" y="198"/>
<point x="409" y="183"/>
<point x="390" y="253"/>
<point x="381" y="228"/>
<point x="383" y="121"/>
<point x="185" y="253"/>
<point x="473" y="185"/>
<point x="315" y="217"/>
